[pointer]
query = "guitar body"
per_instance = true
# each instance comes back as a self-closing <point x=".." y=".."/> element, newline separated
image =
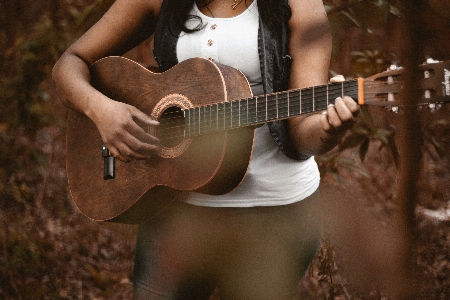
<point x="210" y="163"/>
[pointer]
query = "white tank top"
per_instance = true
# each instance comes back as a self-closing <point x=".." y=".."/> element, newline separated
<point x="272" y="178"/>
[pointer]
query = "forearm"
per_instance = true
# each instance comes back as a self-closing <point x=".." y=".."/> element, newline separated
<point x="71" y="77"/>
<point x="309" y="136"/>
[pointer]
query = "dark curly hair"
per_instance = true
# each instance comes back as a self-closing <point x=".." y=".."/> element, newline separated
<point x="271" y="11"/>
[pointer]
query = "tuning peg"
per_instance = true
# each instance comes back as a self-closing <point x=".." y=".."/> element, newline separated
<point x="394" y="67"/>
<point x="434" y="107"/>
<point x="390" y="80"/>
<point x="431" y="61"/>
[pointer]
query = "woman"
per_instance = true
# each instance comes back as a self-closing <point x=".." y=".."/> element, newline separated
<point x="256" y="241"/>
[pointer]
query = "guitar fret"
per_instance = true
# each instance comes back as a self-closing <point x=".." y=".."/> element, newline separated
<point x="256" y="109"/>
<point x="202" y="113"/>
<point x="248" y="111"/>
<point x="212" y="112"/>
<point x="320" y="97"/>
<point x="276" y="106"/>
<point x="251" y="111"/>
<point x="228" y="115"/>
<point x="196" y="121"/>
<point x="294" y="103"/>
<point x="235" y="107"/>
<point x="207" y="118"/>
<point x="327" y="96"/>
<point x="300" y="101"/>
<point x="200" y="120"/>
<point x="243" y="112"/>
<point x="261" y="109"/>
<point x="288" y="104"/>
<point x="272" y="114"/>
<point x="220" y="116"/>
<point x="283" y="105"/>
<point x="306" y="101"/>
<point x="239" y="113"/>
<point x="215" y="117"/>
<point x="193" y="121"/>
<point x="313" y="102"/>
<point x="267" y="108"/>
<point x="187" y="122"/>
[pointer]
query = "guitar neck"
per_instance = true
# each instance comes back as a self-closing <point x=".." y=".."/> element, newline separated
<point x="265" y="108"/>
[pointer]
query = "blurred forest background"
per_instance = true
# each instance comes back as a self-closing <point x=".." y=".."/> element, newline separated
<point x="48" y="250"/>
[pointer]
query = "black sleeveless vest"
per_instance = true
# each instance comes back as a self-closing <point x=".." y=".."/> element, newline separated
<point x="274" y="60"/>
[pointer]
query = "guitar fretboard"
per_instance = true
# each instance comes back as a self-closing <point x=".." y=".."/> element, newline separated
<point x="264" y="108"/>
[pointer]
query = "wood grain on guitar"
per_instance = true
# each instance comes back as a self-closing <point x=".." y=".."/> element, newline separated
<point x="207" y="118"/>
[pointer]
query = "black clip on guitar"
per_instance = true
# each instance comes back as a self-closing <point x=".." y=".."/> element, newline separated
<point x="108" y="163"/>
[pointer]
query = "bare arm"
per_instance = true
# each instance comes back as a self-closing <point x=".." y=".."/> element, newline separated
<point x="310" y="48"/>
<point x="125" y="25"/>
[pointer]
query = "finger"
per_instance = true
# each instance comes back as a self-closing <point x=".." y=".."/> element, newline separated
<point x="140" y="127"/>
<point x="144" y="151"/>
<point x="333" y="117"/>
<point x="116" y="154"/>
<point x="137" y="130"/>
<point x="325" y="123"/>
<point x="343" y="111"/>
<point x="337" y="78"/>
<point x="139" y="115"/>
<point x="352" y="105"/>
<point x="137" y="149"/>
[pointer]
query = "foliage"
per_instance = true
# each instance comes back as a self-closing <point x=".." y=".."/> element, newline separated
<point x="31" y="149"/>
<point x="362" y="13"/>
<point x="365" y="15"/>
<point x="49" y="251"/>
<point x="325" y="265"/>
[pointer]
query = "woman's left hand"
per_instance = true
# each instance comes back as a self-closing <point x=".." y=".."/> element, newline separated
<point x="341" y="115"/>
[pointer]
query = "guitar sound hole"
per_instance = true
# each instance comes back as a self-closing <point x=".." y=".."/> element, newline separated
<point x="171" y="131"/>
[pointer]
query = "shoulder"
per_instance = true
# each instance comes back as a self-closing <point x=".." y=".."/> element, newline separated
<point x="307" y="12"/>
<point x="309" y="20"/>
<point x="132" y="7"/>
<point x="155" y="5"/>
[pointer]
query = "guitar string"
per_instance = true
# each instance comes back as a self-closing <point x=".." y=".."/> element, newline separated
<point x="266" y="100"/>
<point x="250" y="113"/>
<point x="167" y="131"/>
<point x="228" y="117"/>
<point x="227" y="120"/>
<point x="281" y="107"/>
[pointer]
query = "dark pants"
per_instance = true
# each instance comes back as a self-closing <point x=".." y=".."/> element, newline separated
<point x="248" y="253"/>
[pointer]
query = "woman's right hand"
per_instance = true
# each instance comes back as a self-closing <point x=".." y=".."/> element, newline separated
<point x="117" y="123"/>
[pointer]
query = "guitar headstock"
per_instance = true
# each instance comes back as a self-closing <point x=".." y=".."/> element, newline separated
<point x="382" y="89"/>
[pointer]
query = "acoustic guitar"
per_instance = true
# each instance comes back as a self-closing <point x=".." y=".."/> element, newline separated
<point x="207" y="117"/>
